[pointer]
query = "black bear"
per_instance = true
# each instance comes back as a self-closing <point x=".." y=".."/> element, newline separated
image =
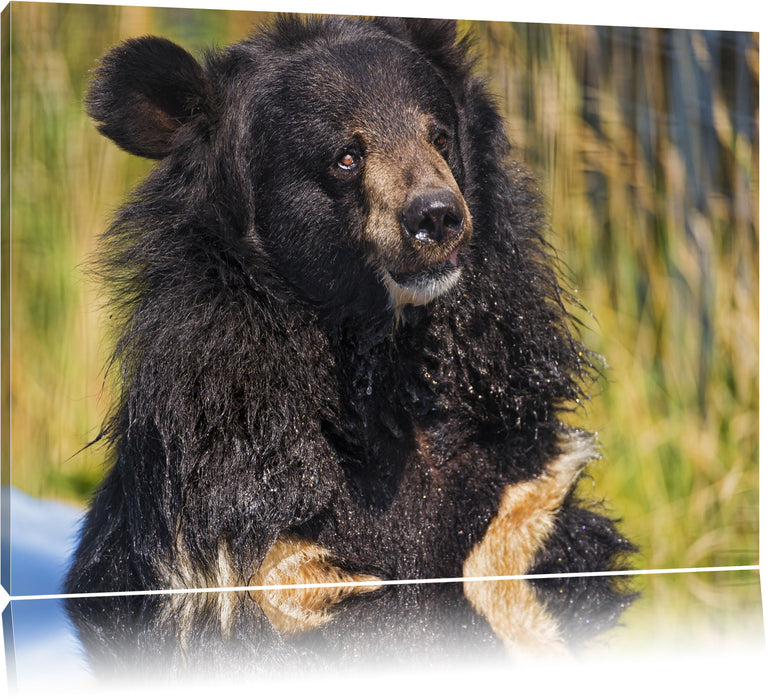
<point x="343" y="357"/>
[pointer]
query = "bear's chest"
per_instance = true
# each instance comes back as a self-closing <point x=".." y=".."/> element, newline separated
<point x="412" y="505"/>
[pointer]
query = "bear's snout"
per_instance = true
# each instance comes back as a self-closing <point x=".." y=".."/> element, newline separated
<point x="434" y="216"/>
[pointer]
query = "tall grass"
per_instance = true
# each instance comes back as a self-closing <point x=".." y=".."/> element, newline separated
<point x="646" y="142"/>
<point x="66" y="181"/>
<point x="646" y="145"/>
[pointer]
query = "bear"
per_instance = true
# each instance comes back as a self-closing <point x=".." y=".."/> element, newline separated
<point x="344" y="366"/>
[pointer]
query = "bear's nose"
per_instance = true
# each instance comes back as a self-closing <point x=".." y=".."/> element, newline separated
<point x="433" y="217"/>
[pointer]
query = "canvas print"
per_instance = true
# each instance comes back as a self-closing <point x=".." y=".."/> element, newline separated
<point x="332" y="342"/>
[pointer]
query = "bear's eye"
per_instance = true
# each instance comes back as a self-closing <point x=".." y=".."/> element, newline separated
<point x="348" y="161"/>
<point x="440" y="141"/>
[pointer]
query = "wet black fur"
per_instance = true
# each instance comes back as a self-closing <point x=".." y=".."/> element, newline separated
<point x="263" y="383"/>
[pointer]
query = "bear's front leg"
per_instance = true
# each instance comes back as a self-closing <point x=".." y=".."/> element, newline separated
<point x="539" y="529"/>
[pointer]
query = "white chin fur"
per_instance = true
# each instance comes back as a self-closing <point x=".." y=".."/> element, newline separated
<point x="421" y="291"/>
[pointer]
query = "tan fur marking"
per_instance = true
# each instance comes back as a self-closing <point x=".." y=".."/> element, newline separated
<point x="525" y="520"/>
<point x="290" y="561"/>
<point x="186" y="608"/>
<point x="294" y="561"/>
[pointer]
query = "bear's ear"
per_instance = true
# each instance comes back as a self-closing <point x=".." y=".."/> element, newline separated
<point x="431" y="35"/>
<point x="143" y="91"/>
<point x="434" y="38"/>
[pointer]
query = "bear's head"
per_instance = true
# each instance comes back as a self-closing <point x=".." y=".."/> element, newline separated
<point x="337" y="148"/>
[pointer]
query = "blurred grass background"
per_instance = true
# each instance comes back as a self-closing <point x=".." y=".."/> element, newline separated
<point x="645" y="142"/>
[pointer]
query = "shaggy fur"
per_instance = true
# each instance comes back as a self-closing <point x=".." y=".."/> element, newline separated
<point x="307" y="355"/>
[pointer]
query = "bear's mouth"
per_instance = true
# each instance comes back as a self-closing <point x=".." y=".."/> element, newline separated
<point x="421" y="285"/>
<point x="429" y="272"/>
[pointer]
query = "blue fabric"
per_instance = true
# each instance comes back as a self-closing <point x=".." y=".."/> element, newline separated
<point x="45" y="650"/>
<point x="43" y="536"/>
